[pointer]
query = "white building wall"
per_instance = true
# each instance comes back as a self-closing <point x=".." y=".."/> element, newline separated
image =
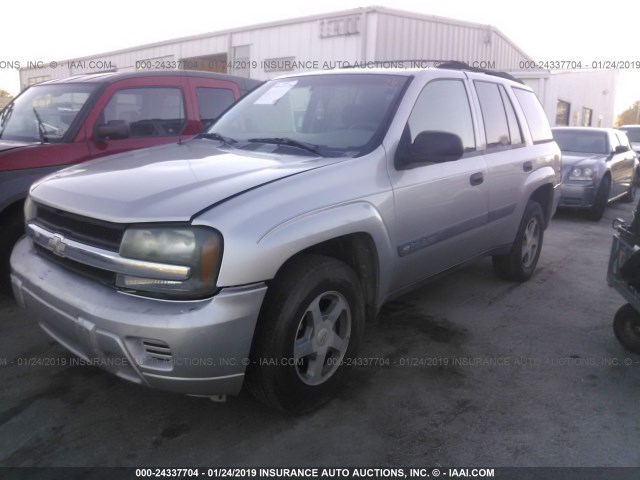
<point x="357" y="35"/>
<point x="363" y="34"/>
<point x="594" y="89"/>
<point x="404" y="36"/>
<point x="300" y="43"/>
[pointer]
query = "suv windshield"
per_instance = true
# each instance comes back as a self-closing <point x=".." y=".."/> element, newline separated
<point x="582" y="141"/>
<point x="43" y="113"/>
<point x="330" y="115"/>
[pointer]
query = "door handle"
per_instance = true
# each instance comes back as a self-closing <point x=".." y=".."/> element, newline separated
<point x="527" y="166"/>
<point x="476" y="179"/>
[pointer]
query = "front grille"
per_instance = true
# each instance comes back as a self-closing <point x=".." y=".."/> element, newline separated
<point x="82" y="229"/>
<point x="89" y="231"/>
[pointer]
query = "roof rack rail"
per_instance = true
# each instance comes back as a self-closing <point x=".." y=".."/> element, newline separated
<point x="458" y="65"/>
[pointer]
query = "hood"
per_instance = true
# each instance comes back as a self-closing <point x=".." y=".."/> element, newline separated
<point x="635" y="146"/>
<point x="577" y="158"/>
<point x="10" y="144"/>
<point x="167" y="183"/>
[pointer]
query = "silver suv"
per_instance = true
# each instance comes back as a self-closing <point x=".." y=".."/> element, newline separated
<point x="254" y="252"/>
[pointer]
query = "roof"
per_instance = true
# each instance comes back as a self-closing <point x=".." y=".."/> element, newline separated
<point x="447" y="66"/>
<point x="110" y="77"/>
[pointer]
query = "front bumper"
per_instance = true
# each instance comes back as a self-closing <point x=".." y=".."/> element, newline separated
<point x="577" y="196"/>
<point x="191" y="347"/>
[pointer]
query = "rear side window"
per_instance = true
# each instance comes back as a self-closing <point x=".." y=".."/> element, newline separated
<point x="512" y="119"/>
<point x="534" y="114"/>
<point x="149" y="111"/>
<point x="212" y="102"/>
<point x="495" y="118"/>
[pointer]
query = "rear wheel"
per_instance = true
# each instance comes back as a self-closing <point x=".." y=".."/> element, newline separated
<point x="602" y="199"/>
<point x="309" y="328"/>
<point x="626" y="326"/>
<point x="519" y="264"/>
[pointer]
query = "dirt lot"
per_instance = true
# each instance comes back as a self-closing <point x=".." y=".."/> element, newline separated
<point x="481" y="373"/>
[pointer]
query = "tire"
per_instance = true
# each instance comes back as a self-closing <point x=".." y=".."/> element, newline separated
<point x="12" y="230"/>
<point x="630" y="196"/>
<point x="314" y="314"/>
<point x="596" y="212"/>
<point x="519" y="264"/>
<point x="626" y="326"/>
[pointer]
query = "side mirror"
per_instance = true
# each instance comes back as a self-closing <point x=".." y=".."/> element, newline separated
<point x="621" y="149"/>
<point x="433" y="147"/>
<point x="112" y="130"/>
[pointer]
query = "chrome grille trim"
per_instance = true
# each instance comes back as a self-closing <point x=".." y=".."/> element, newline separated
<point x="104" y="259"/>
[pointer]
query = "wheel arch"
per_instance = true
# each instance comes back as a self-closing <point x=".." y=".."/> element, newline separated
<point x="544" y="196"/>
<point x="358" y="251"/>
<point x="353" y="232"/>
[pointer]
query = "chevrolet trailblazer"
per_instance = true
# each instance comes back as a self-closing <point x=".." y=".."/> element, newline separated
<point x="263" y="244"/>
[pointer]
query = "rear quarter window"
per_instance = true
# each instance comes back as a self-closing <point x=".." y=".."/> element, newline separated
<point x="534" y="115"/>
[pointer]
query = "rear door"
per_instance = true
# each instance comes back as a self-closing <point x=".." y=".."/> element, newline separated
<point x="509" y="162"/>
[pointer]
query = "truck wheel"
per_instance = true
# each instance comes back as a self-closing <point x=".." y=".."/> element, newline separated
<point x="12" y="231"/>
<point x="596" y="212"/>
<point x="309" y="328"/>
<point x="519" y="264"/>
<point x="626" y="326"/>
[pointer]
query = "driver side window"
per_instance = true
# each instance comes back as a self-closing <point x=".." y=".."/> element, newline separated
<point x="443" y="106"/>
<point x="149" y="112"/>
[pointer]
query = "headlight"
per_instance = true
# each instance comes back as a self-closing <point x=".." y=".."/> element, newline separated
<point x="198" y="248"/>
<point x="583" y="173"/>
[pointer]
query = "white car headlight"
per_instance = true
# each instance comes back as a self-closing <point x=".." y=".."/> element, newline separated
<point x="197" y="248"/>
<point x="583" y="173"/>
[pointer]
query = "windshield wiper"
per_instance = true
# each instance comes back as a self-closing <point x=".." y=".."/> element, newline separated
<point x="216" y="136"/>
<point x="309" y="147"/>
<point x="41" y="129"/>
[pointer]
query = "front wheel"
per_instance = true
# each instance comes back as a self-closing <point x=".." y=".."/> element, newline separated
<point x="308" y="332"/>
<point x="626" y="326"/>
<point x="519" y="264"/>
<point x="602" y="199"/>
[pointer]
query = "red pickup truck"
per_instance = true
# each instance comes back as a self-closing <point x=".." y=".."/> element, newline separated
<point x="61" y="122"/>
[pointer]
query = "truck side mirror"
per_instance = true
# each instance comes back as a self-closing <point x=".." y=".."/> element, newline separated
<point x="112" y="130"/>
<point x="621" y="149"/>
<point x="432" y="147"/>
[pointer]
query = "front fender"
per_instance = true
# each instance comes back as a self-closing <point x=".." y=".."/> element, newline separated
<point x="243" y="264"/>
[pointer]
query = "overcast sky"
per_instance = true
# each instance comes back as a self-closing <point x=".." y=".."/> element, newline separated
<point x="38" y="30"/>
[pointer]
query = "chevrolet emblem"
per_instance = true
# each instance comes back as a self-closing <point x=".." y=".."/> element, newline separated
<point x="57" y="245"/>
